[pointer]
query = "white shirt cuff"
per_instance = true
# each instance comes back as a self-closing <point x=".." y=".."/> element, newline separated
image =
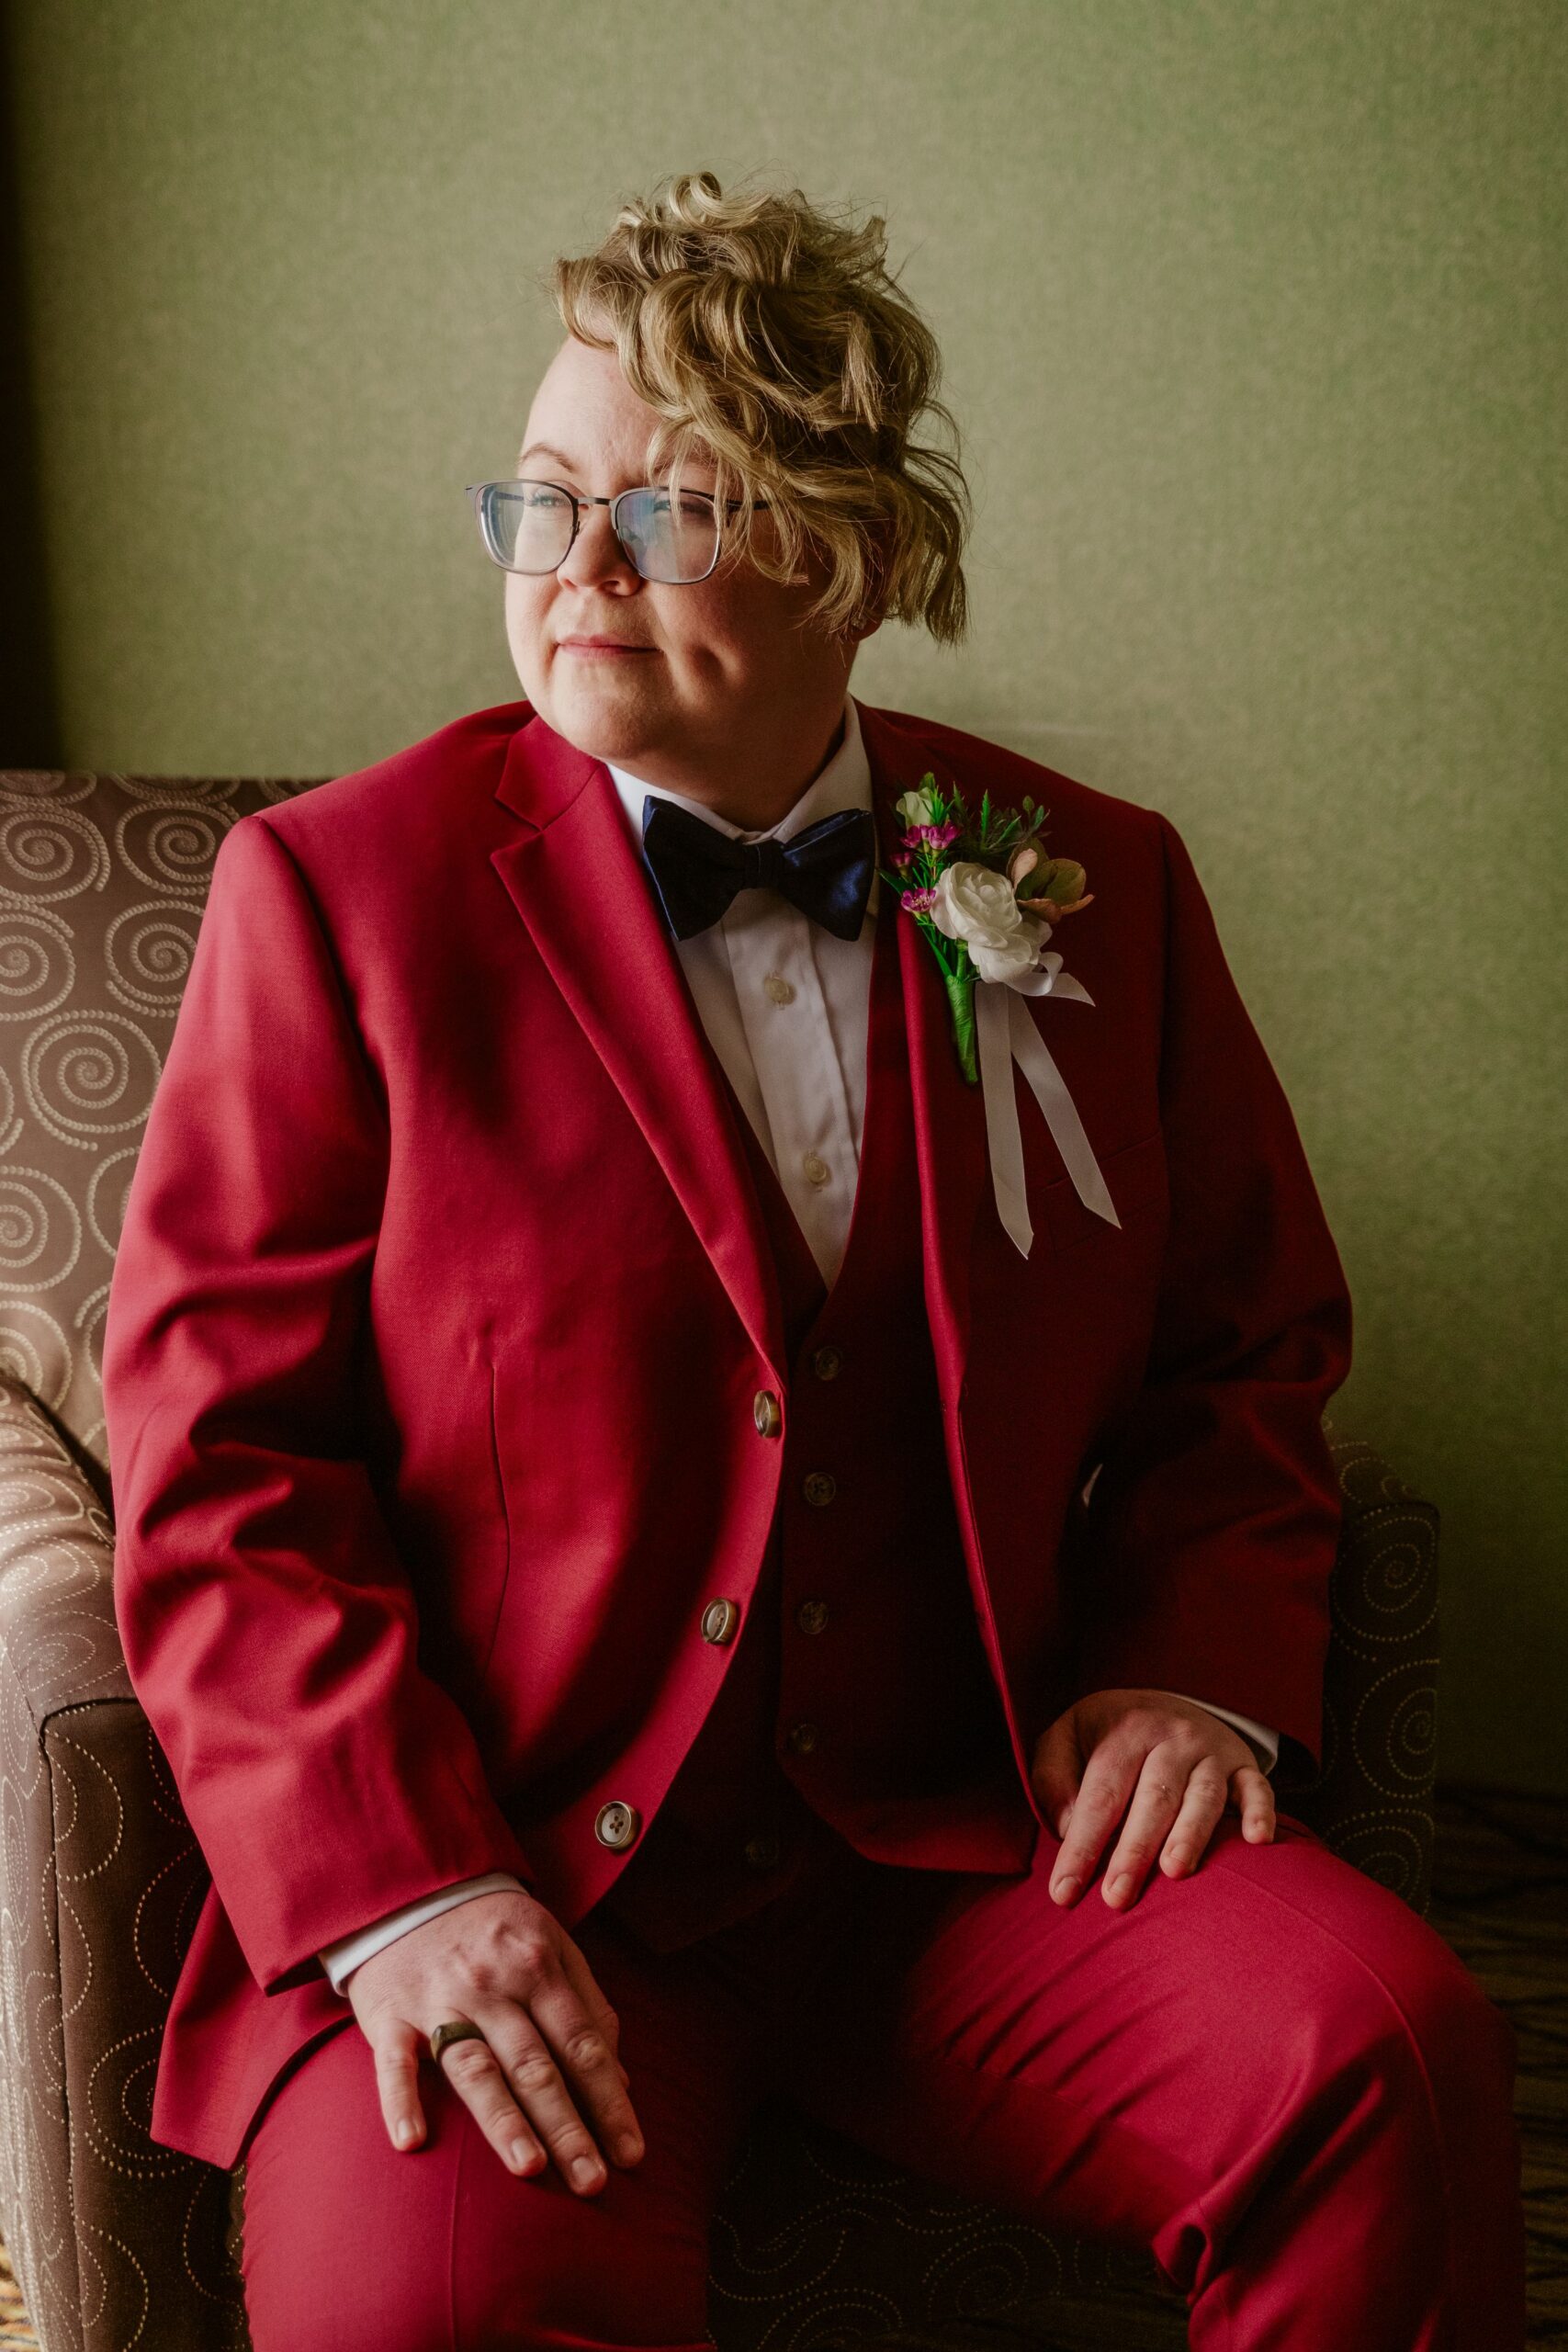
<point x="341" y="1959"/>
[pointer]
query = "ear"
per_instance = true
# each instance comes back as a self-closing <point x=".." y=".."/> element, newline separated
<point x="879" y="541"/>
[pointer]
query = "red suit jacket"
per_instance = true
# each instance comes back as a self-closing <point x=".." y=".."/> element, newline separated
<point x="444" y="1299"/>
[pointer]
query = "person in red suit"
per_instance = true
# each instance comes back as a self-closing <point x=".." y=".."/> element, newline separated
<point x="653" y="1590"/>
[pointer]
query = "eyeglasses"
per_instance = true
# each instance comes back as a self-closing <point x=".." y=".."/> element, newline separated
<point x="531" y="526"/>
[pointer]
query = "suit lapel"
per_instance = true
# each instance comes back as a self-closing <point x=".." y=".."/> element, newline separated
<point x="949" y="1114"/>
<point x="584" y="895"/>
<point x="586" y="899"/>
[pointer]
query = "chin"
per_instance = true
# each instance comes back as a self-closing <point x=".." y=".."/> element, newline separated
<point x="599" y="714"/>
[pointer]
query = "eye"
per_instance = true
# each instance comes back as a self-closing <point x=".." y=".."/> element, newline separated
<point x="694" y="505"/>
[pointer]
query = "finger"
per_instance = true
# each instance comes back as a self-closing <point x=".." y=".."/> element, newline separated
<point x="396" y="2053"/>
<point x="1058" y="1769"/>
<point x="1100" y="1801"/>
<point x="476" y="2075"/>
<point x="623" y="2141"/>
<point x="593" y="2074"/>
<point x="1156" y="1801"/>
<point x="1202" y="1807"/>
<point x="1254" y="1803"/>
<point x="580" y="1977"/>
<point x="539" y="2087"/>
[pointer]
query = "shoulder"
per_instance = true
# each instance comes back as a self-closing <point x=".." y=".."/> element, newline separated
<point x="412" y="799"/>
<point x="1083" y="821"/>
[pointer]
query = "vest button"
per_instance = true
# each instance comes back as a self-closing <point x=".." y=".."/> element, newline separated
<point x="816" y="1169"/>
<point x="719" y="1619"/>
<point x="618" y="1824"/>
<point x="766" y="1414"/>
<point x="803" y="1738"/>
<point x="825" y="1363"/>
<point x="779" y="989"/>
<point x="811" y="1616"/>
<point x="762" y="1852"/>
<point x="818" y="1487"/>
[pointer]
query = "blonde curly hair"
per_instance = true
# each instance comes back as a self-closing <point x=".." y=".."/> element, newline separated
<point x="774" y="346"/>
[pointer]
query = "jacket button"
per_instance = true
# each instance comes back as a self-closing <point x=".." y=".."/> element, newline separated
<point x="819" y="1487"/>
<point x="766" y="1414"/>
<point x="803" y="1738"/>
<point x="719" y="1619"/>
<point x="618" y="1824"/>
<point x="825" y="1363"/>
<point x="762" y="1852"/>
<point x="811" y="1616"/>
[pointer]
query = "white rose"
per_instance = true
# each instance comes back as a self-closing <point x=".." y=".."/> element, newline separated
<point x="977" y="905"/>
<point x="1006" y="959"/>
<point x="972" y="899"/>
<point x="916" y="809"/>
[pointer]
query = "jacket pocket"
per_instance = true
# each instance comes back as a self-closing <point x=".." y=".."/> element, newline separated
<point x="1139" y="1184"/>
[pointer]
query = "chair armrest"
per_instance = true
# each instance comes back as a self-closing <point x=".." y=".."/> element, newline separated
<point x="115" y="2240"/>
<point x="1372" y="1801"/>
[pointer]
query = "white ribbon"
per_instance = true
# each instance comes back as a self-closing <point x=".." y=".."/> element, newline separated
<point x="1005" y="1033"/>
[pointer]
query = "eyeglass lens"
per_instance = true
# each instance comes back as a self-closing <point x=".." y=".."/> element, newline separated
<point x="528" y="528"/>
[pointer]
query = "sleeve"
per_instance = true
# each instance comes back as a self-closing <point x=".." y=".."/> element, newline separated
<point x="1216" y="1513"/>
<point x="268" y="1621"/>
<point x="340" y="1960"/>
<point x="1265" y="1743"/>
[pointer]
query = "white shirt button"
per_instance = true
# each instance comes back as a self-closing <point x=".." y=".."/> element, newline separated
<point x="779" y="989"/>
<point x="816" y="1169"/>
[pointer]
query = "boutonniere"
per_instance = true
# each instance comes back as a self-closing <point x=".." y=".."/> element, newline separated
<point x="982" y="893"/>
<point x="987" y="901"/>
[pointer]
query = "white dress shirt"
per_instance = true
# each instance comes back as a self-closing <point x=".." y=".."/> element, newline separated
<point x="786" y="1005"/>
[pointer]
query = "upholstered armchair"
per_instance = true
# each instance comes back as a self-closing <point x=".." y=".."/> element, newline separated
<point x="118" y="2242"/>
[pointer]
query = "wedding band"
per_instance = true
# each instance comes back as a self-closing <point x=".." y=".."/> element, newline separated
<point x="459" y="2030"/>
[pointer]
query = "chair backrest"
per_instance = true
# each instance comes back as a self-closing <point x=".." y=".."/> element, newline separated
<point x="102" y="879"/>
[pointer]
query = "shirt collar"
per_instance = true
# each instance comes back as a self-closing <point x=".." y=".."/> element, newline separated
<point x="844" y="783"/>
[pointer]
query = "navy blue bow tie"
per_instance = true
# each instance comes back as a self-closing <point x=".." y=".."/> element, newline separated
<point x="825" y="870"/>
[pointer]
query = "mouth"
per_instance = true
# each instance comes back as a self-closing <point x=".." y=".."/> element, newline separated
<point x="602" y="648"/>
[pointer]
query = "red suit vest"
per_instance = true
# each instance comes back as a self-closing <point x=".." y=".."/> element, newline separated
<point x="860" y="1701"/>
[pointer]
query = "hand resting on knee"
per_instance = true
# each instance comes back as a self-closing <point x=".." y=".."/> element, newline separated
<point x="548" y="2066"/>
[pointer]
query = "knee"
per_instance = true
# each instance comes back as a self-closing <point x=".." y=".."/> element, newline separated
<point x="1435" y="2016"/>
<point x="599" y="2271"/>
<point x="388" y="2297"/>
<point x="544" y="2269"/>
<point x="464" y="2252"/>
<point x="1451" y="2012"/>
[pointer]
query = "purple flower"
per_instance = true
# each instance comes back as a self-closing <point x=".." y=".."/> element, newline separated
<point x="917" y="902"/>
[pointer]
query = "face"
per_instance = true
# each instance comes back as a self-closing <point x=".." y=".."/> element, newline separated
<point x="718" y="690"/>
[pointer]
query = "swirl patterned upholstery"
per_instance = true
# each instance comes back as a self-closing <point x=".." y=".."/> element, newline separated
<point x="117" y="2242"/>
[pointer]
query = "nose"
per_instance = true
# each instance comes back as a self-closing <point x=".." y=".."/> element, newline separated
<point x="596" y="560"/>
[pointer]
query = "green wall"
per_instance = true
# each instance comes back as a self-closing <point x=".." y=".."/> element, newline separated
<point x="30" y="726"/>
<point x="1254" y="319"/>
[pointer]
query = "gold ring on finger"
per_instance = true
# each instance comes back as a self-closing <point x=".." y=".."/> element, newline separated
<point x="457" y="2030"/>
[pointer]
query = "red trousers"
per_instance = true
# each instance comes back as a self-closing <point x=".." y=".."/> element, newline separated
<point x="1272" y="2073"/>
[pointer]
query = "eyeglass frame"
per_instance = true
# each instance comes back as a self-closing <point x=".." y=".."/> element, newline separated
<point x="476" y="491"/>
